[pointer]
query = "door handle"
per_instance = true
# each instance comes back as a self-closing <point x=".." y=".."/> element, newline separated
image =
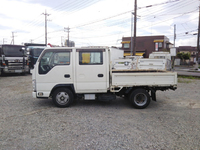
<point x="100" y="75"/>
<point x="67" y="75"/>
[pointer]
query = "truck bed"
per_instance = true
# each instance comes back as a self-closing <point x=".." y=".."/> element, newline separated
<point x="129" y="78"/>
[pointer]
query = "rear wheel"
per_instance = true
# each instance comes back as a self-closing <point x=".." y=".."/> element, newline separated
<point x="140" y="98"/>
<point x="63" y="97"/>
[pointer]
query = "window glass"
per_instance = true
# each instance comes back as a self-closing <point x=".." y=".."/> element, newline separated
<point x="12" y="51"/>
<point x="90" y="58"/>
<point x="126" y="45"/>
<point x="37" y="51"/>
<point x="160" y="45"/>
<point x="51" y="59"/>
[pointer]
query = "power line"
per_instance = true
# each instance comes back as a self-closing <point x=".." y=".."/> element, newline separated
<point x="122" y="14"/>
<point x="128" y="20"/>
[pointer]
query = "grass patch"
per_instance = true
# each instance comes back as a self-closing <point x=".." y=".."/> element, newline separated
<point x="189" y="77"/>
<point x="182" y="80"/>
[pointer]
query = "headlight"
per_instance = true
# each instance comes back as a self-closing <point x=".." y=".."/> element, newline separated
<point x="34" y="85"/>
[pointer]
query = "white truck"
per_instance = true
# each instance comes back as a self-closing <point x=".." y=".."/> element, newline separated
<point x="65" y="74"/>
<point x="13" y="59"/>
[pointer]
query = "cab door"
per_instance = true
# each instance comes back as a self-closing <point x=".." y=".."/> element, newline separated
<point x="54" y="68"/>
<point x="91" y="72"/>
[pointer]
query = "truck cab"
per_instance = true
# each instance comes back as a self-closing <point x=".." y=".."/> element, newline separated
<point x="13" y="59"/>
<point x="83" y="70"/>
<point x="33" y="52"/>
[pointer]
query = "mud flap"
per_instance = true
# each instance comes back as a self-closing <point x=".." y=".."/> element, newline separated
<point x="153" y="95"/>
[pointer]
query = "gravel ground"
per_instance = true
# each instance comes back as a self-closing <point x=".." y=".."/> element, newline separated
<point x="173" y="122"/>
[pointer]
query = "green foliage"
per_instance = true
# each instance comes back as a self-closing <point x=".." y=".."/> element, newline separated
<point x="184" y="56"/>
<point x="180" y="55"/>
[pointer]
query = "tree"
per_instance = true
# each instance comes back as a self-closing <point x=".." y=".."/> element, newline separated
<point x="184" y="56"/>
<point x="180" y="55"/>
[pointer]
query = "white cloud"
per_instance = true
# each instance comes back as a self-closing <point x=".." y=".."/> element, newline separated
<point x="188" y="41"/>
<point x="25" y="18"/>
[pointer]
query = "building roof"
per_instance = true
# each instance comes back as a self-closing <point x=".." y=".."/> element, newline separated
<point x="186" y="48"/>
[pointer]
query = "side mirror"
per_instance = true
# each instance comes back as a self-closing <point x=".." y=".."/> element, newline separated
<point x="22" y="49"/>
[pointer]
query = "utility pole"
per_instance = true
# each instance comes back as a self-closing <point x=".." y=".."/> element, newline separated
<point x="67" y="30"/>
<point x="4" y="40"/>
<point x="174" y="34"/>
<point x="173" y="57"/>
<point x="62" y="41"/>
<point x="132" y="13"/>
<point x="197" y="55"/>
<point x="45" y="14"/>
<point x="13" y="38"/>
<point x="135" y="27"/>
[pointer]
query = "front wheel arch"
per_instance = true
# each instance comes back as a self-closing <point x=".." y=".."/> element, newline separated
<point x="68" y="86"/>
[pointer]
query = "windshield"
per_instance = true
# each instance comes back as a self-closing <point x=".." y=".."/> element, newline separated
<point x="12" y="51"/>
<point x="37" y="51"/>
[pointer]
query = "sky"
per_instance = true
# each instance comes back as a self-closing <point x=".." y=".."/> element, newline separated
<point x="97" y="22"/>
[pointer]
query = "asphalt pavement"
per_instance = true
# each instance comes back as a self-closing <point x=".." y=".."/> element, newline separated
<point x="187" y="71"/>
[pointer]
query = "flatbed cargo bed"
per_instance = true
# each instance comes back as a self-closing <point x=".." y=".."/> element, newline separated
<point x="127" y="78"/>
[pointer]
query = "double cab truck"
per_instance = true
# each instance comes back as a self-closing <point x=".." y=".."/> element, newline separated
<point x="13" y="59"/>
<point x="66" y="74"/>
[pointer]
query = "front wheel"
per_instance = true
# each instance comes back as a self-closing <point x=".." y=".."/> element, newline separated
<point x="63" y="97"/>
<point x="140" y="98"/>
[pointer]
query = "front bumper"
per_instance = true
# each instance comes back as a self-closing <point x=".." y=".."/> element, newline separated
<point x="16" y="70"/>
<point x="34" y="94"/>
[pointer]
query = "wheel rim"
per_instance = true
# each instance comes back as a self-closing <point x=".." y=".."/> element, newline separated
<point x="140" y="99"/>
<point x="62" y="98"/>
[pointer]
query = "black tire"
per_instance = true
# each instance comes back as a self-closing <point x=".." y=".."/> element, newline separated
<point x="2" y="73"/>
<point x="140" y="98"/>
<point x="63" y="97"/>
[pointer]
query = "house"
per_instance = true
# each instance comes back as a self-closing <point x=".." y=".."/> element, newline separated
<point x="146" y="45"/>
<point x="188" y="49"/>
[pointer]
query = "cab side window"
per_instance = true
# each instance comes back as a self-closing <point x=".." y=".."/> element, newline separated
<point x="51" y="59"/>
<point x="90" y="58"/>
